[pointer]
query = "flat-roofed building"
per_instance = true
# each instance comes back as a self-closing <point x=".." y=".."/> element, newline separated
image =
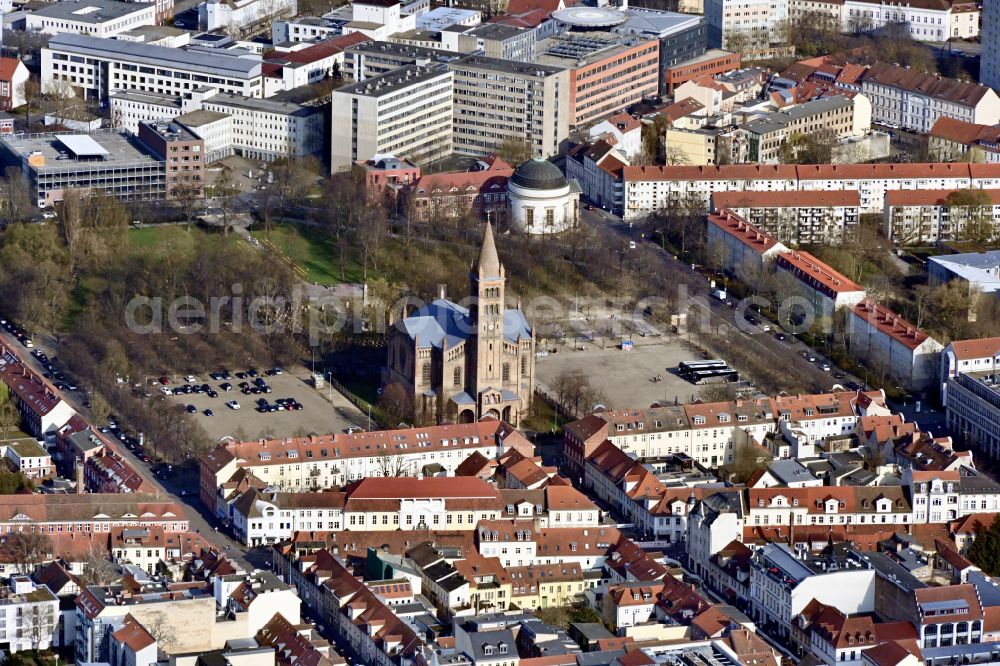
<point x="797" y="218"/>
<point x="824" y="288"/>
<point x="407" y="113"/>
<point x="917" y="217"/>
<point x="608" y="71"/>
<point x="495" y="40"/>
<point x="964" y="356"/>
<point x="129" y="107"/>
<point x="709" y="63"/>
<point x="99" y="18"/>
<point x="843" y="116"/>
<point x="973" y="410"/>
<point x="99" y="66"/>
<point x="181" y="151"/>
<point x="54" y="163"/>
<point x="501" y="100"/>
<point x="270" y="129"/>
<point x="888" y="344"/>
<point x="371" y="59"/>
<point x="682" y="37"/>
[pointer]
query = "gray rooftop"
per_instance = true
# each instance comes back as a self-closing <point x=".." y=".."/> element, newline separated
<point x="776" y="121"/>
<point x="89" y="11"/>
<point x="440" y="18"/>
<point x="200" y="118"/>
<point x="217" y="62"/>
<point x="534" y="70"/>
<point x="396" y="50"/>
<point x="120" y="150"/>
<point x="789" y="470"/>
<point x="147" y="98"/>
<point x="653" y="23"/>
<point x="266" y="105"/>
<point x="568" y="49"/>
<point x="444" y="321"/>
<point x="378" y="86"/>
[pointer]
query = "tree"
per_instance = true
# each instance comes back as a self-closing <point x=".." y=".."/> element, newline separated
<point x="718" y="392"/>
<point x="160" y="628"/>
<point x="16" y="201"/>
<point x="515" y="151"/>
<point x="391" y="466"/>
<point x="574" y="392"/>
<point x="985" y="549"/>
<point x="31" y="90"/>
<point x="975" y="208"/>
<point x="187" y="195"/>
<point x="97" y="568"/>
<point x="9" y="416"/>
<point x="808" y="148"/>
<point x="395" y="403"/>
<point x="224" y="191"/>
<point x="747" y="459"/>
<point x="26" y="550"/>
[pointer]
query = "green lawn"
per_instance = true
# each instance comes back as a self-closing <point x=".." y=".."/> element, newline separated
<point x="79" y="297"/>
<point x="315" y="253"/>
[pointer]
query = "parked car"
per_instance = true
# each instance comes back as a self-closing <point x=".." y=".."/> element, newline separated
<point x="233" y="404"/>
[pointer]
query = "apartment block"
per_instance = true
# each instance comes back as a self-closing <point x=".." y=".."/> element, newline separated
<point x="499" y="100"/>
<point x="953" y="140"/>
<point x="796" y="218"/>
<point x="914" y="217"/>
<point x="608" y="71"/>
<point x="29" y="615"/>
<point x="914" y="100"/>
<point x="269" y="129"/>
<point x="769" y="134"/>
<point x="98" y="18"/>
<point x="963" y="356"/>
<point x="407" y="114"/>
<point x="824" y="288"/>
<point x="371" y="59"/>
<point x="989" y="67"/>
<point x="887" y="343"/>
<point x="648" y="189"/>
<point x="973" y="410"/>
<point x="99" y="66"/>
<point x="747" y="250"/>
<point x="683" y="38"/>
<point x="743" y="27"/>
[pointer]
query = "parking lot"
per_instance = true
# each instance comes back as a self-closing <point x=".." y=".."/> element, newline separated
<point x="625" y="377"/>
<point x="325" y="411"/>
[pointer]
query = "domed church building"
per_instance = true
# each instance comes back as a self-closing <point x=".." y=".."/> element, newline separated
<point x="463" y="364"/>
<point x="541" y="200"/>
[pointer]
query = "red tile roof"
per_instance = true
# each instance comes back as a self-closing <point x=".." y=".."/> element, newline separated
<point x="951" y="90"/>
<point x="319" y="50"/>
<point x="464" y="487"/>
<point x="807" y="267"/>
<point x="889" y="323"/>
<point x="8" y="66"/>
<point x="741" y="230"/>
<point x="979" y="348"/>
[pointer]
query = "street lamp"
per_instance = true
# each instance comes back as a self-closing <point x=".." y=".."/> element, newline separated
<point x="865" y="368"/>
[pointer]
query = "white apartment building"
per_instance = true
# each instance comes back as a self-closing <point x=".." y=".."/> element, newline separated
<point x="407" y="113"/>
<point x="98" y="18"/>
<point x="263" y="517"/>
<point x="940" y="497"/>
<point x="129" y="108"/>
<point x="298" y="464"/>
<point x="29" y="615"/>
<point x="649" y="189"/>
<point x="236" y="16"/>
<point x="928" y="22"/>
<point x="887" y="343"/>
<point x="264" y="129"/>
<point x="914" y="100"/>
<point x="747" y="249"/>
<point x="917" y="217"/>
<point x="783" y="582"/>
<point x="743" y="26"/>
<point x="501" y="100"/>
<point x="100" y="66"/>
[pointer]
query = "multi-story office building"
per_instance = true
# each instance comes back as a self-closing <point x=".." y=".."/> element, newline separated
<point x="100" y="66"/>
<point x="682" y="37"/>
<point x="407" y="114"/>
<point x="268" y="129"/>
<point x="915" y="100"/>
<point x="496" y="40"/>
<point x="98" y="18"/>
<point x="743" y="26"/>
<point x="607" y="71"/>
<point x="371" y="59"/>
<point x="989" y="60"/>
<point x="500" y="100"/>
<point x="973" y="410"/>
<point x="105" y="161"/>
<point x="183" y="155"/>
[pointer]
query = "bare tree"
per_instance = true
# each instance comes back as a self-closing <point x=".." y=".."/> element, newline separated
<point x="97" y="568"/>
<point x="26" y="550"/>
<point x="224" y="191"/>
<point x="515" y="151"/>
<point x="9" y="416"/>
<point x="159" y="627"/>
<point x="38" y="625"/>
<point x="390" y="466"/>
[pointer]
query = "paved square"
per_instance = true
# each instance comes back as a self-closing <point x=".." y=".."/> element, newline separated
<point x="624" y="377"/>
<point x="324" y="411"/>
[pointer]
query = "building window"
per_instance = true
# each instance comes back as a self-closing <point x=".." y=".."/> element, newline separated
<point x="457" y="377"/>
<point x="529" y="217"/>
<point x="506" y="372"/>
<point x="425" y="373"/>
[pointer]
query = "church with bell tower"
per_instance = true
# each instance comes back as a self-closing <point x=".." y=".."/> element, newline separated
<point x="464" y="363"/>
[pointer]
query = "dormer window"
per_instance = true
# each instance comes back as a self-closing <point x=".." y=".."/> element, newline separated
<point x="742" y="418"/>
<point x="723" y="418"/>
<point x="699" y="420"/>
<point x="795" y="501"/>
<point x="502" y="648"/>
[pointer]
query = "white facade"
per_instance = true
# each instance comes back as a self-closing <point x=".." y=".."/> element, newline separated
<point x="101" y="66"/>
<point x="407" y="113"/>
<point x="989" y="62"/>
<point x="743" y="26"/>
<point x="29" y="616"/>
<point x="128" y="110"/>
<point x="267" y="521"/>
<point x="266" y="130"/>
<point x="650" y="189"/>
<point x="926" y="23"/>
<point x="535" y="211"/>
<point x="879" y="337"/>
<point x="83" y="18"/>
<point x="235" y="16"/>
<point x="628" y="139"/>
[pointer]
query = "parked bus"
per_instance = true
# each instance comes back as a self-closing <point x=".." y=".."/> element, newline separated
<point x="688" y="367"/>
<point x="714" y="375"/>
